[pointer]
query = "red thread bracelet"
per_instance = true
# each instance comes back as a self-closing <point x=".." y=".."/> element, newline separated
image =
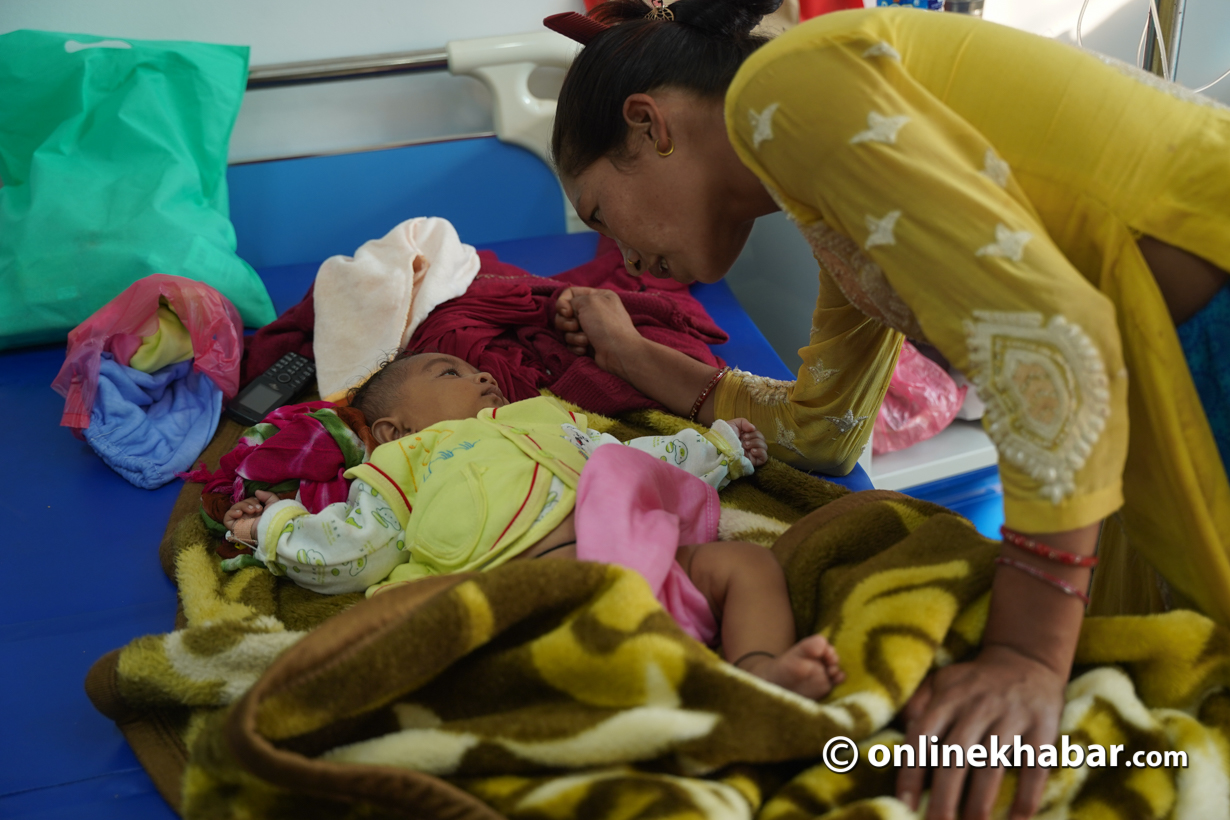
<point x="1041" y="550"/>
<point x="704" y="394"/>
<point x="1058" y="583"/>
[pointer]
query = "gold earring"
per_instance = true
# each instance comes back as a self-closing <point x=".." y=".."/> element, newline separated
<point x="662" y="153"/>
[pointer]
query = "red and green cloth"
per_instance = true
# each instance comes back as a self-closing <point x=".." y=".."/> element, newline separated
<point x="300" y="449"/>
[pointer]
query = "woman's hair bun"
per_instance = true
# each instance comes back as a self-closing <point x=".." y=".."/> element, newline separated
<point x="720" y="18"/>
<point x="698" y="48"/>
<point x="723" y="18"/>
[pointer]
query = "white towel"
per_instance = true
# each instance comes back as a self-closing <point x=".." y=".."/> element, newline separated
<point x="368" y="305"/>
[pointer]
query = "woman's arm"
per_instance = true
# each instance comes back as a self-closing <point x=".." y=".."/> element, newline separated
<point x="1014" y="687"/>
<point x="822" y="421"/>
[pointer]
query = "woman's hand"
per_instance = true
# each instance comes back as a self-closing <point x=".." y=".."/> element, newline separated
<point x="754" y="445"/>
<point x="596" y="317"/>
<point x="1014" y="687"/>
<point x="1002" y="693"/>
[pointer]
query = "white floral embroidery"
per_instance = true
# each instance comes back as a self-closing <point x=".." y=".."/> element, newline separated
<point x="1008" y="243"/>
<point x="819" y="373"/>
<point x="1153" y="81"/>
<point x="883" y="49"/>
<point x="846" y="423"/>
<point x="859" y="279"/>
<point x="786" y="437"/>
<point x="1045" y="388"/>
<point x="762" y="124"/>
<point x="996" y="169"/>
<point x="762" y="389"/>
<point x="881" y="229"/>
<point x="880" y="129"/>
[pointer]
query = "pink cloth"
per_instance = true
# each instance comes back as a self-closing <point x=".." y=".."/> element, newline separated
<point x="636" y="511"/>
<point x="118" y="327"/>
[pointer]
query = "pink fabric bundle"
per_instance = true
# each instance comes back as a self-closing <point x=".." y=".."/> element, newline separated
<point x="636" y="511"/>
<point x="118" y="327"/>
<point x="921" y="401"/>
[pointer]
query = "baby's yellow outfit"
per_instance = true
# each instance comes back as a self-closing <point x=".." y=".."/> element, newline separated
<point x="982" y="189"/>
<point x="463" y="495"/>
<point x="484" y="486"/>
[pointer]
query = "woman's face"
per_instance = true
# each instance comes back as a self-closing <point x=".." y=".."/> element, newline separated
<point x="657" y="210"/>
<point x="686" y="215"/>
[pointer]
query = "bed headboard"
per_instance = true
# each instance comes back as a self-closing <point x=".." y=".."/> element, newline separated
<point x="493" y="188"/>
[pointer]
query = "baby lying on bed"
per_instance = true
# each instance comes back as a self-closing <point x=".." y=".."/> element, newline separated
<point x="463" y="480"/>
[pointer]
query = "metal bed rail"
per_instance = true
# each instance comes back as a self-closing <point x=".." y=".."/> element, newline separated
<point x="504" y="64"/>
<point x="277" y="75"/>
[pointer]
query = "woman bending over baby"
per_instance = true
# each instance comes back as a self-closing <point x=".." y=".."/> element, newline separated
<point x="462" y="480"/>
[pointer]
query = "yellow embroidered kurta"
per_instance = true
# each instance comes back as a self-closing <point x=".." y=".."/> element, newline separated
<point x="982" y="189"/>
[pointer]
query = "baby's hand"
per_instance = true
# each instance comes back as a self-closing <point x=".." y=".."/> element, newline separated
<point x="243" y="517"/>
<point x="249" y="507"/>
<point x="753" y="441"/>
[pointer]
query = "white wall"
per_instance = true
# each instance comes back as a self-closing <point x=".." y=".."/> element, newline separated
<point x="319" y="118"/>
<point x="1113" y="27"/>
<point x="1204" y="52"/>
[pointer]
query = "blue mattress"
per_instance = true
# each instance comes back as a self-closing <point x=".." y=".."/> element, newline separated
<point x="99" y="583"/>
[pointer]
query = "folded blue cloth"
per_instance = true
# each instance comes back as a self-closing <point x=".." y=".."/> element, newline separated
<point x="150" y="426"/>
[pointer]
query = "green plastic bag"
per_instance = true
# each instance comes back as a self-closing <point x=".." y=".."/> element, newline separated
<point x="113" y="165"/>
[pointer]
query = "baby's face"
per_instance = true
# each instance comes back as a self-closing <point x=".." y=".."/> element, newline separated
<point x="436" y="388"/>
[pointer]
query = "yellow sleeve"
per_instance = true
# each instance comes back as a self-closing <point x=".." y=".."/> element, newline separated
<point x="951" y="250"/>
<point x="823" y="420"/>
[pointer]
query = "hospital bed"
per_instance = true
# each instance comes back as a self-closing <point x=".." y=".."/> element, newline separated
<point x="82" y="542"/>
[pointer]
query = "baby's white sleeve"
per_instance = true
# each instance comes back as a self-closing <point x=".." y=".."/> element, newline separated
<point x="346" y="547"/>
<point x="716" y="457"/>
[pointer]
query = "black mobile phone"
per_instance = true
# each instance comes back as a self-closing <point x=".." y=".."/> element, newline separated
<point x="270" y="390"/>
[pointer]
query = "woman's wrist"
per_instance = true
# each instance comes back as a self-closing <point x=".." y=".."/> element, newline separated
<point x="666" y="375"/>
<point x="1034" y="618"/>
<point x="621" y="358"/>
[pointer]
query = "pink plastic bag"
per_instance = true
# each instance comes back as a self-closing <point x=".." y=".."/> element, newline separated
<point x="922" y="400"/>
<point x="118" y="326"/>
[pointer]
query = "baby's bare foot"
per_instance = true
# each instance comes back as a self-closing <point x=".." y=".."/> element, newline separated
<point x="810" y="668"/>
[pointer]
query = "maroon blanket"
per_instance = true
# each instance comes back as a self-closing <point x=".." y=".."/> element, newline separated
<point x="289" y="333"/>
<point x="504" y="324"/>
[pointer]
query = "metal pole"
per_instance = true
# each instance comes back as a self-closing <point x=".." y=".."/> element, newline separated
<point x="347" y="68"/>
<point x="1171" y="14"/>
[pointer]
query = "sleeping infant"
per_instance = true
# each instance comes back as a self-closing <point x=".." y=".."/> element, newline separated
<point x="463" y="480"/>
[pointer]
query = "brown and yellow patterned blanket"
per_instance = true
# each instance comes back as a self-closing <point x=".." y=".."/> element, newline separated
<point x="560" y="690"/>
